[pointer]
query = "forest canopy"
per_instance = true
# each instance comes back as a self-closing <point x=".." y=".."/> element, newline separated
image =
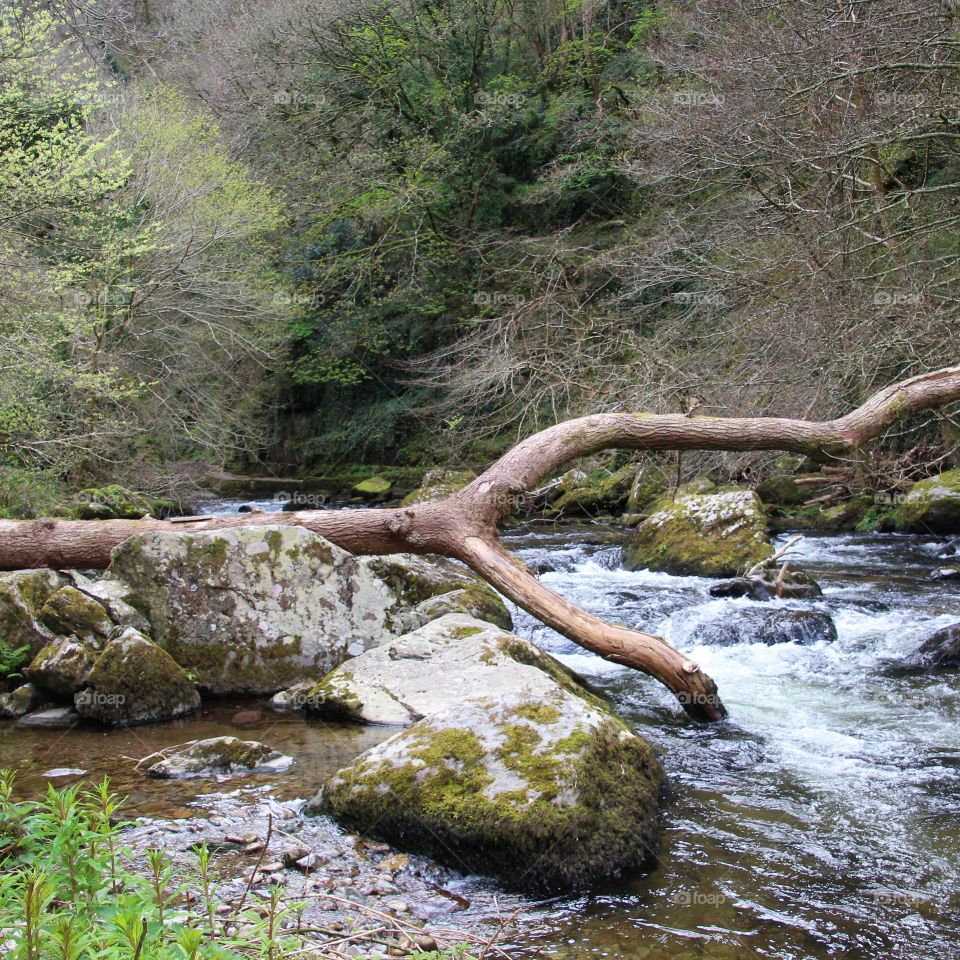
<point x="411" y="232"/>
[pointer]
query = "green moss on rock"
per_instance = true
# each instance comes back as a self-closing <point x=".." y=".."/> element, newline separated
<point x="22" y="595"/>
<point x="545" y="802"/>
<point x="932" y="506"/>
<point x="717" y="534"/>
<point x="597" y="491"/>
<point x="134" y="681"/>
<point x="438" y="485"/>
<point x="69" y="611"/>
<point x="373" y="488"/>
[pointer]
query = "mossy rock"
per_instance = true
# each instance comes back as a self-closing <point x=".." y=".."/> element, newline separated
<point x="596" y="491"/>
<point x="69" y="611"/>
<point x="438" y="485"/>
<point x="550" y="795"/>
<point x="219" y="756"/>
<point x="19" y="701"/>
<point x="476" y="600"/>
<point x="373" y="488"/>
<point x="437" y="666"/>
<point x="932" y="506"/>
<point x="133" y="681"/>
<point x="714" y="534"/>
<point x="650" y="481"/>
<point x="426" y="589"/>
<point x="61" y="668"/>
<point x="114" y="502"/>
<point x="22" y="595"/>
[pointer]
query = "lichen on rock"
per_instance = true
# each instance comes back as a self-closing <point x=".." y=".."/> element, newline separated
<point x="435" y="667"/>
<point x="548" y="795"/>
<point x="712" y="534"/>
<point x="253" y="610"/>
<point x="22" y="594"/>
<point x="61" y="668"/>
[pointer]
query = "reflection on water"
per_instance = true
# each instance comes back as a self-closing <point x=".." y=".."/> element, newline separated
<point x="319" y="749"/>
<point x="822" y="820"/>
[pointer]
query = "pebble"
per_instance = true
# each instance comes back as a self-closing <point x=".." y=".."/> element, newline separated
<point x="294" y="852"/>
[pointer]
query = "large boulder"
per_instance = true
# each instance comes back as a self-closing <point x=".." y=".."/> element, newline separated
<point x="133" y="681"/>
<point x="932" y="506"/>
<point x="747" y="624"/>
<point x="507" y="764"/>
<point x="554" y="793"/>
<point x="720" y="533"/>
<point x="252" y="610"/>
<point x="22" y="595"/>
<point x="435" y="668"/>
<point x="218" y="756"/>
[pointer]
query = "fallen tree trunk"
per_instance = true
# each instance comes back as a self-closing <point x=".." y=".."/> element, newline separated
<point x="464" y="526"/>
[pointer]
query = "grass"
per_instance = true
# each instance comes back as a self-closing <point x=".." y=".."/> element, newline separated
<point x="68" y="892"/>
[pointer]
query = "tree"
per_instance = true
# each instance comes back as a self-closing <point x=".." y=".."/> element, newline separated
<point x="138" y="310"/>
<point x="464" y="526"/>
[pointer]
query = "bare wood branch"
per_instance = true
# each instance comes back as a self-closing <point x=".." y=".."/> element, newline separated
<point x="464" y="526"/>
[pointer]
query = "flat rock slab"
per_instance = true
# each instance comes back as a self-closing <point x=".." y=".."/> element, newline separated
<point x="436" y="667"/>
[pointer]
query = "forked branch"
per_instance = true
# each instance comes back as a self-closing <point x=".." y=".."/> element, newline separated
<point x="464" y="526"/>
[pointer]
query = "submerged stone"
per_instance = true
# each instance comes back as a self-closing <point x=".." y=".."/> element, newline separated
<point x="940" y="650"/>
<point x="219" y="755"/>
<point x="765" y="625"/>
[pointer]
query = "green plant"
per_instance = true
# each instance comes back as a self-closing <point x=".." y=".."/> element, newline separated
<point x="69" y="891"/>
<point x="11" y="659"/>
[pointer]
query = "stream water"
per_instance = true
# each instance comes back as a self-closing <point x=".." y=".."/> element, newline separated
<point x="821" y="820"/>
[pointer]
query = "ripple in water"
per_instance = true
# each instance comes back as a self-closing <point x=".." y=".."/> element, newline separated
<point x="821" y="820"/>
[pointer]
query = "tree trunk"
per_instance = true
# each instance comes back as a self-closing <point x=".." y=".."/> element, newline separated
<point x="464" y="526"/>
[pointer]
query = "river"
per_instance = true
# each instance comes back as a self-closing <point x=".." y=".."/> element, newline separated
<point x="821" y="820"/>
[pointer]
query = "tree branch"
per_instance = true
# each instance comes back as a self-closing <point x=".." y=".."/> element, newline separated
<point x="464" y="525"/>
